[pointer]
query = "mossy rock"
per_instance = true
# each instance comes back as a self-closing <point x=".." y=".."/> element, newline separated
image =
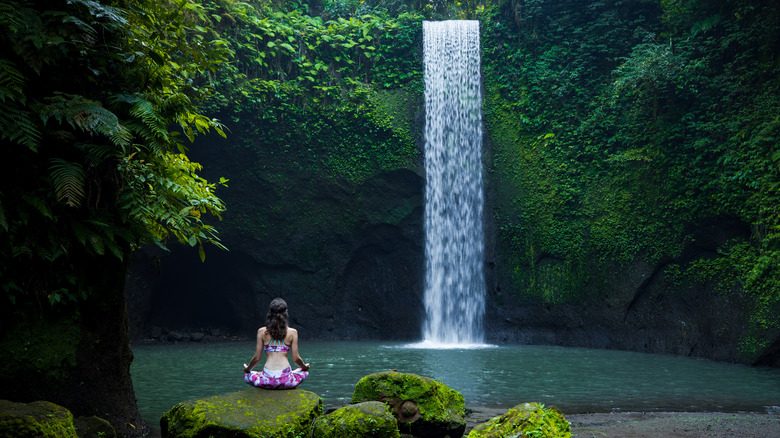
<point x="94" y="427"/>
<point x="40" y="419"/>
<point x="252" y="413"/>
<point x="525" y="420"/>
<point x="422" y="406"/>
<point x="359" y="420"/>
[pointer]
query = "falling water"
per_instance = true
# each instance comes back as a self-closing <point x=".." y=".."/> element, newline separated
<point x="454" y="246"/>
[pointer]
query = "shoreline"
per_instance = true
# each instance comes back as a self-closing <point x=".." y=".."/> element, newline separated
<point x="646" y="424"/>
<point x="657" y="424"/>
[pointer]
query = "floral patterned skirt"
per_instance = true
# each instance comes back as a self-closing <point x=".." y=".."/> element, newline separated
<point x="272" y="379"/>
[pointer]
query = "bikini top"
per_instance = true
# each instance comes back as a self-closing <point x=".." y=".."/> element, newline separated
<point x="276" y="346"/>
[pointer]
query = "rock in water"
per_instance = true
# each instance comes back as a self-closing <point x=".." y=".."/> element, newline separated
<point x="37" y="419"/>
<point x="527" y="419"/>
<point x="252" y="413"/>
<point x="423" y="407"/>
<point x="360" y="420"/>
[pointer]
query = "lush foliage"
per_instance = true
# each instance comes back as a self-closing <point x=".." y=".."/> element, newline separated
<point x="335" y="80"/>
<point x="96" y="101"/>
<point x="624" y="128"/>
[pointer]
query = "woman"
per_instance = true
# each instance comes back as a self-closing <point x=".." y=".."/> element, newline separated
<point x="276" y="339"/>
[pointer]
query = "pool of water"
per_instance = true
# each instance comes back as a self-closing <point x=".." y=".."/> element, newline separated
<point x="573" y="379"/>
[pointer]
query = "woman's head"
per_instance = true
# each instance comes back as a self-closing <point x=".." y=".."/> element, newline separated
<point x="276" y="320"/>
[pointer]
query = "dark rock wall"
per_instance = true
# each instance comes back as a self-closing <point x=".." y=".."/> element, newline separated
<point x="347" y="257"/>
<point x="349" y="260"/>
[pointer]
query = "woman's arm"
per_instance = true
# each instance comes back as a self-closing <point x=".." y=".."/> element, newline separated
<point x="258" y="351"/>
<point x="294" y="347"/>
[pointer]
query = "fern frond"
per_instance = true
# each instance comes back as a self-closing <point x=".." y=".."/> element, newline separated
<point x="99" y="152"/>
<point x="81" y="232"/>
<point x="11" y="82"/>
<point x="68" y="180"/>
<point x="17" y="18"/>
<point x="89" y="34"/>
<point x="19" y="251"/>
<point x="37" y="203"/>
<point x="114" y="15"/>
<point x="97" y="244"/>
<point x="87" y="115"/>
<point x="147" y="112"/>
<point x="16" y="125"/>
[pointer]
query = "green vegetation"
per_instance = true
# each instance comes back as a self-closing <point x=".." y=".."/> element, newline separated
<point x="530" y="420"/>
<point x="38" y="419"/>
<point x="252" y="413"/>
<point x="346" y="85"/>
<point x="95" y="104"/>
<point x="618" y="132"/>
<point x="413" y="398"/>
<point x="362" y="419"/>
<point x="620" y="129"/>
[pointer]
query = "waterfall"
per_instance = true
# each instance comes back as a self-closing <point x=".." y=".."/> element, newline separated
<point x="454" y="244"/>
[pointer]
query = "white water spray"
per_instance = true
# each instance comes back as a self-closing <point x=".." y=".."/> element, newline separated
<point x="454" y="243"/>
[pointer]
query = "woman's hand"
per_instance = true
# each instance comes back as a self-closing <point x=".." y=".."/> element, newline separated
<point x="305" y="367"/>
<point x="246" y="368"/>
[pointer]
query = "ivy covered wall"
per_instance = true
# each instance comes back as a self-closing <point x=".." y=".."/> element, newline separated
<point x="634" y="162"/>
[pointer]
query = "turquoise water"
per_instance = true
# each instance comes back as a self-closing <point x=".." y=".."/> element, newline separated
<point x="573" y="379"/>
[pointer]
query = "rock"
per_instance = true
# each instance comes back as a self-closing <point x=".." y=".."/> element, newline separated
<point x="251" y="413"/>
<point x="94" y="427"/>
<point x="359" y="420"/>
<point x="37" y="419"/>
<point x="422" y="406"/>
<point x="198" y="336"/>
<point x="527" y="419"/>
<point x="178" y="336"/>
<point x="156" y="332"/>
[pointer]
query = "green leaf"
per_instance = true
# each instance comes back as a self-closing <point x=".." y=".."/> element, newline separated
<point x="68" y="180"/>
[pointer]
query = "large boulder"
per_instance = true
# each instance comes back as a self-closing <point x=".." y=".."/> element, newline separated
<point x="252" y="413"/>
<point x="525" y="420"/>
<point x="40" y="419"/>
<point x="94" y="427"/>
<point x="359" y="420"/>
<point x="423" y="407"/>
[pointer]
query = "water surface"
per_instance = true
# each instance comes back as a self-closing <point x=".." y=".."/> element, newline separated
<point x="573" y="379"/>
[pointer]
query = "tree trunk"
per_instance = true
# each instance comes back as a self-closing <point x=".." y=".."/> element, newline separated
<point x="75" y="355"/>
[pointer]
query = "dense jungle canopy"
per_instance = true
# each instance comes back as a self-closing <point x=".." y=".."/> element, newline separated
<point x="616" y="131"/>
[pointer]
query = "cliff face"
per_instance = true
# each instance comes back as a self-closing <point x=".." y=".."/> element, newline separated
<point x="349" y="260"/>
<point x="635" y="306"/>
<point x="347" y="256"/>
<point x="616" y="216"/>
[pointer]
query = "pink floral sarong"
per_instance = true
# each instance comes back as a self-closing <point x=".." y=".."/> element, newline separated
<point x="272" y="379"/>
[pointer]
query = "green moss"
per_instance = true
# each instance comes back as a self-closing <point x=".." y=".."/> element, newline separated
<point x="44" y="345"/>
<point x="252" y="413"/>
<point x="525" y="420"/>
<point x="360" y="420"/>
<point x="39" y="419"/>
<point x="435" y="401"/>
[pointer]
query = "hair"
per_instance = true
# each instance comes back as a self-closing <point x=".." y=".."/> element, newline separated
<point x="276" y="320"/>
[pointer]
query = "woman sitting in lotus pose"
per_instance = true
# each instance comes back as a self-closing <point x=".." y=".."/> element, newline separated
<point x="276" y="339"/>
